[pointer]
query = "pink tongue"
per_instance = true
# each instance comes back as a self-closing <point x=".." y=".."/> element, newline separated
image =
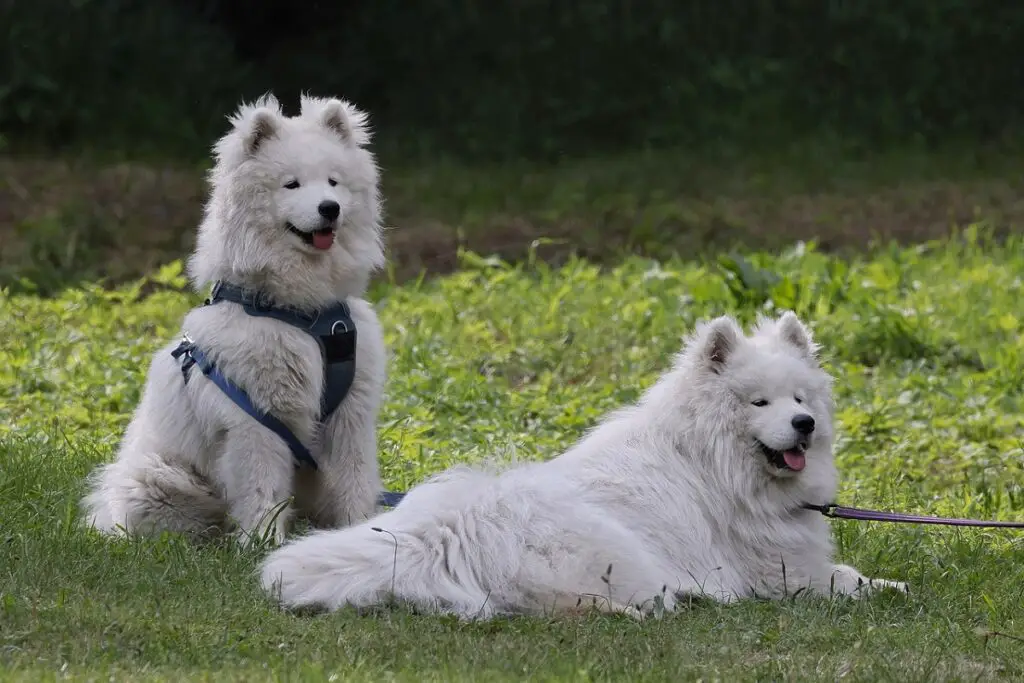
<point x="795" y="460"/>
<point x="323" y="240"/>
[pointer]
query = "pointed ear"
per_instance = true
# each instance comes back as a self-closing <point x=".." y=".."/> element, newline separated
<point x="793" y="332"/>
<point x="715" y="342"/>
<point x="339" y="117"/>
<point x="257" y="122"/>
<point x="334" y="117"/>
<point x="262" y="127"/>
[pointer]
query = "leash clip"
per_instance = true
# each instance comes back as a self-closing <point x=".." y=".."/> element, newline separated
<point x="185" y="349"/>
<point x="214" y="293"/>
<point x="826" y="509"/>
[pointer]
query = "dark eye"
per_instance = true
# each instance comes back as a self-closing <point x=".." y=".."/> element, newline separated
<point x="332" y="182"/>
<point x="798" y="399"/>
<point x="760" y="403"/>
<point x="292" y="185"/>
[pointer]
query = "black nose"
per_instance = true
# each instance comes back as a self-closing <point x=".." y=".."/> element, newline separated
<point x="329" y="209"/>
<point x="803" y="423"/>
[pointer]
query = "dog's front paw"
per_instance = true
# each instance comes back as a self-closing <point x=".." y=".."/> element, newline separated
<point x="246" y="539"/>
<point x="704" y="597"/>
<point x="264" y="528"/>
<point x="260" y="537"/>
<point x="867" y="587"/>
<point x="871" y="586"/>
<point x="846" y="580"/>
<point x="655" y="607"/>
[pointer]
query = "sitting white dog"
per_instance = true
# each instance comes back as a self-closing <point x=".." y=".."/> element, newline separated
<point x="695" y="491"/>
<point x="274" y="391"/>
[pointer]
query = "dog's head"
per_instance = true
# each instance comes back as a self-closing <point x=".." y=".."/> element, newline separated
<point x="295" y="204"/>
<point x="773" y="401"/>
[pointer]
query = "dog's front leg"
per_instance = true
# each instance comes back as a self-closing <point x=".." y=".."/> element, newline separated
<point x="256" y="469"/>
<point x="346" y="488"/>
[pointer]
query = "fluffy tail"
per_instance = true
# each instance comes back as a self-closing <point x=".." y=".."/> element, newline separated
<point x="331" y="568"/>
<point x="367" y="565"/>
<point x="436" y="551"/>
<point x="150" y="495"/>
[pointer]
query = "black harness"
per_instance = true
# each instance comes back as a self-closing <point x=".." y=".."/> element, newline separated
<point x="334" y="332"/>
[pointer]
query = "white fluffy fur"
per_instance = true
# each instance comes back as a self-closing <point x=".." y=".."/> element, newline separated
<point x="665" y="499"/>
<point x="190" y="458"/>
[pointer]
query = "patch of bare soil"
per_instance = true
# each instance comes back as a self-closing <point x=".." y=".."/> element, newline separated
<point x="123" y="220"/>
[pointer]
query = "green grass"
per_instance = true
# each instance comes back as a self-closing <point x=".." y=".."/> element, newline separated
<point x="926" y="347"/>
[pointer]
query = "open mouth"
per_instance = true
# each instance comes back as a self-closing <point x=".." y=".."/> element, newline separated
<point x="789" y="459"/>
<point x="322" y="238"/>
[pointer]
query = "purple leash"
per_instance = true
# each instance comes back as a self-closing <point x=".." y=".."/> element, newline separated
<point x="842" y="512"/>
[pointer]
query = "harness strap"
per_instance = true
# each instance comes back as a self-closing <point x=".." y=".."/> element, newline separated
<point x="335" y="334"/>
<point x="257" y="303"/>
<point x="332" y="328"/>
<point x="391" y="498"/>
<point x="193" y="356"/>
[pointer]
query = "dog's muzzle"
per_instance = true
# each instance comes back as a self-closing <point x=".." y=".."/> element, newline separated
<point x="321" y="238"/>
<point x="792" y="458"/>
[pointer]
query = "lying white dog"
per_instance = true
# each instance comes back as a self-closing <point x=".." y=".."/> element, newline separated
<point x="286" y="363"/>
<point x="695" y="491"/>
